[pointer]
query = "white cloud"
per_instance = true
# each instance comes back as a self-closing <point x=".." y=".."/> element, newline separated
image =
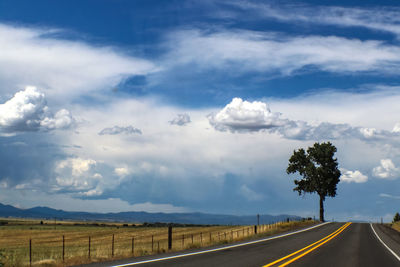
<point x="389" y="196"/>
<point x="352" y="176"/>
<point x="396" y="128"/>
<point x="180" y="120"/>
<point x="387" y="170"/>
<point x="77" y="174"/>
<point x="250" y="194"/>
<point x="120" y="130"/>
<point x="384" y="19"/>
<point x="242" y="51"/>
<point x="121" y="171"/>
<point x="27" y="111"/>
<point x="63" y="68"/>
<point x="243" y="115"/>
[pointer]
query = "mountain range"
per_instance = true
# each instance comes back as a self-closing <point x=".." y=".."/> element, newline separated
<point x="141" y="217"/>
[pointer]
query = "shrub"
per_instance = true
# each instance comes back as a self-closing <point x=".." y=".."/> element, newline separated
<point x="396" y="217"/>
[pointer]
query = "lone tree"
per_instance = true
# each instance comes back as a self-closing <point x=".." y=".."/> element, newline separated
<point x="396" y="217"/>
<point x="319" y="170"/>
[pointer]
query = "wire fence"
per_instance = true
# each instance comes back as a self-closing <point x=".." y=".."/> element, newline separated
<point x="87" y="247"/>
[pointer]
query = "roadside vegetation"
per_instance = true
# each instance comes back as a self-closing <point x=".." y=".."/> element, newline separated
<point x="40" y="243"/>
<point x="396" y="222"/>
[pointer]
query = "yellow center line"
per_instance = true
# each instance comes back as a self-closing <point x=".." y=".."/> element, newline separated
<point x="298" y="251"/>
<point x="317" y="246"/>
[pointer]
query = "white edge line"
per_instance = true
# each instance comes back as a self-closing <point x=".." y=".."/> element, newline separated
<point x="394" y="254"/>
<point x="222" y="248"/>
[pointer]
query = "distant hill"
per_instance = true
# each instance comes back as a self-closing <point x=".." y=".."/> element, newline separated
<point x="140" y="217"/>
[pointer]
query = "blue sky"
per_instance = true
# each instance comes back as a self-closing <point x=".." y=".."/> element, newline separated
<point x="197" y="105"/>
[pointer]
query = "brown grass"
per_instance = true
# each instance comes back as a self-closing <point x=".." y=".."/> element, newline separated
<point x="47" y="239"/>
<point x="396" y="226"/>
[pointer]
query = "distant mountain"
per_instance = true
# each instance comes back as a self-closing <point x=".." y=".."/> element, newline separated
<point x="140" y="217"/>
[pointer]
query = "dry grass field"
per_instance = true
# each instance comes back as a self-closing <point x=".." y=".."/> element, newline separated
<point x="47" y="247"/>
<point x="396" y="226"/>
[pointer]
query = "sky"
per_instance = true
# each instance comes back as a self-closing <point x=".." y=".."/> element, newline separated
<point x="196" y="106"/>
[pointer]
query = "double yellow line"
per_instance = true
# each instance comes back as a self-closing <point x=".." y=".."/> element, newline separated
<point x="310" y="248"/>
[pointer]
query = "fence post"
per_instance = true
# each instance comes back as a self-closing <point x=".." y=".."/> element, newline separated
<point x="210" y="238"/>
<point x="133" y="246"/>
<point x="152" y="243"/>
<point x="192" y="238"/>
<point x="201" y="238"/>
<point x="231" y="234"/>
<point x="255" y="229"/>
<point x="183" y="241"/>
<point x="89" y="248"/>
<point x="112" y="247"/>
<point x="169" y="237"/>
<point x="63" y="250"/>
<point x="30" y="252"/>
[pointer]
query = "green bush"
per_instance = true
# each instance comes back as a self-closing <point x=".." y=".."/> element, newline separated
<point x="396" y="217"/>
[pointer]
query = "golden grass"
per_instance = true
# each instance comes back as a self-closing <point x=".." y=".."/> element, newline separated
<point x="47" y="240"/>
<point x="396" y="226"/>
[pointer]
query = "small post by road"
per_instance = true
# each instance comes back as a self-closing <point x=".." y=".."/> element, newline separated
<point x="112" y="247"/>
<point x="152" y="243"/>
<point x="169" y="237"/>
<point x="30" y="252"/>
<point x="133" y="246"/>
<point x="255" y="229"/>
<point x="63" y="248"/>
<point x="89" y="249"/>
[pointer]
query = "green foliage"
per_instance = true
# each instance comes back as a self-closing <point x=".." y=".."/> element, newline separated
<point x="396" y="217"/>
<point x="319" y="171"/>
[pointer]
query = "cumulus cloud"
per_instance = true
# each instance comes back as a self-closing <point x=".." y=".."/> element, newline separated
<point x="77" y="175"/>
<point x="180" y="119"/>
<point x="121" y="171"/>
<point x="352" y="176"/>
<point x="387" y="170"/>
<point x="27" y="111"/>
<point x="120" y="130"/>
<point x="244" y="116"/>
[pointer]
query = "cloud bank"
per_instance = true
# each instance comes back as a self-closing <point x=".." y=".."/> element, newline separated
<point x="243" y="116"/>
<point x="27" y="111"/>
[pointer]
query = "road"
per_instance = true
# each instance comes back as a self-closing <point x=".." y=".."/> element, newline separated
<point x="332" y="244"/>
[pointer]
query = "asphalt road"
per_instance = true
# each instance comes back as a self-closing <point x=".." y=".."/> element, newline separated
<point x="339" y="244"/>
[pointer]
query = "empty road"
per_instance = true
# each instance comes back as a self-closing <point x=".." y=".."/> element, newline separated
<point x="332" y="244"/>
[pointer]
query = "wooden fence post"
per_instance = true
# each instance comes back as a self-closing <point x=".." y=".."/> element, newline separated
<point x="192" y="238"/>
<point x="183" y="241"/>
<point x="169" y="237"/>
<point x="201" y="238"/>
<point x="63" y="248"/>
<point x="30" y="252"/>
<point x="210" y="238"/>
<point x="152" y="243"/>
<point x="89" y="248"/>
<point x="133" y="246"/>
<point x="112" y="247"/>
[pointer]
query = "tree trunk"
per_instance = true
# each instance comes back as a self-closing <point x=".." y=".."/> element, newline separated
<point x="321" y="209"/>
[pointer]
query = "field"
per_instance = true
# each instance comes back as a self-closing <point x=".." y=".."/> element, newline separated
<point x="396" y="226"/>
<point x="50" y="243"/>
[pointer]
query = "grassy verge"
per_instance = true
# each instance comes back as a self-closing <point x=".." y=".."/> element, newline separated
<point x="68" y="243"/>
<point x="396" y="226"/>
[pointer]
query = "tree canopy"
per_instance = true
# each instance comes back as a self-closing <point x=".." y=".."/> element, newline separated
<point x="319" y="171"/>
